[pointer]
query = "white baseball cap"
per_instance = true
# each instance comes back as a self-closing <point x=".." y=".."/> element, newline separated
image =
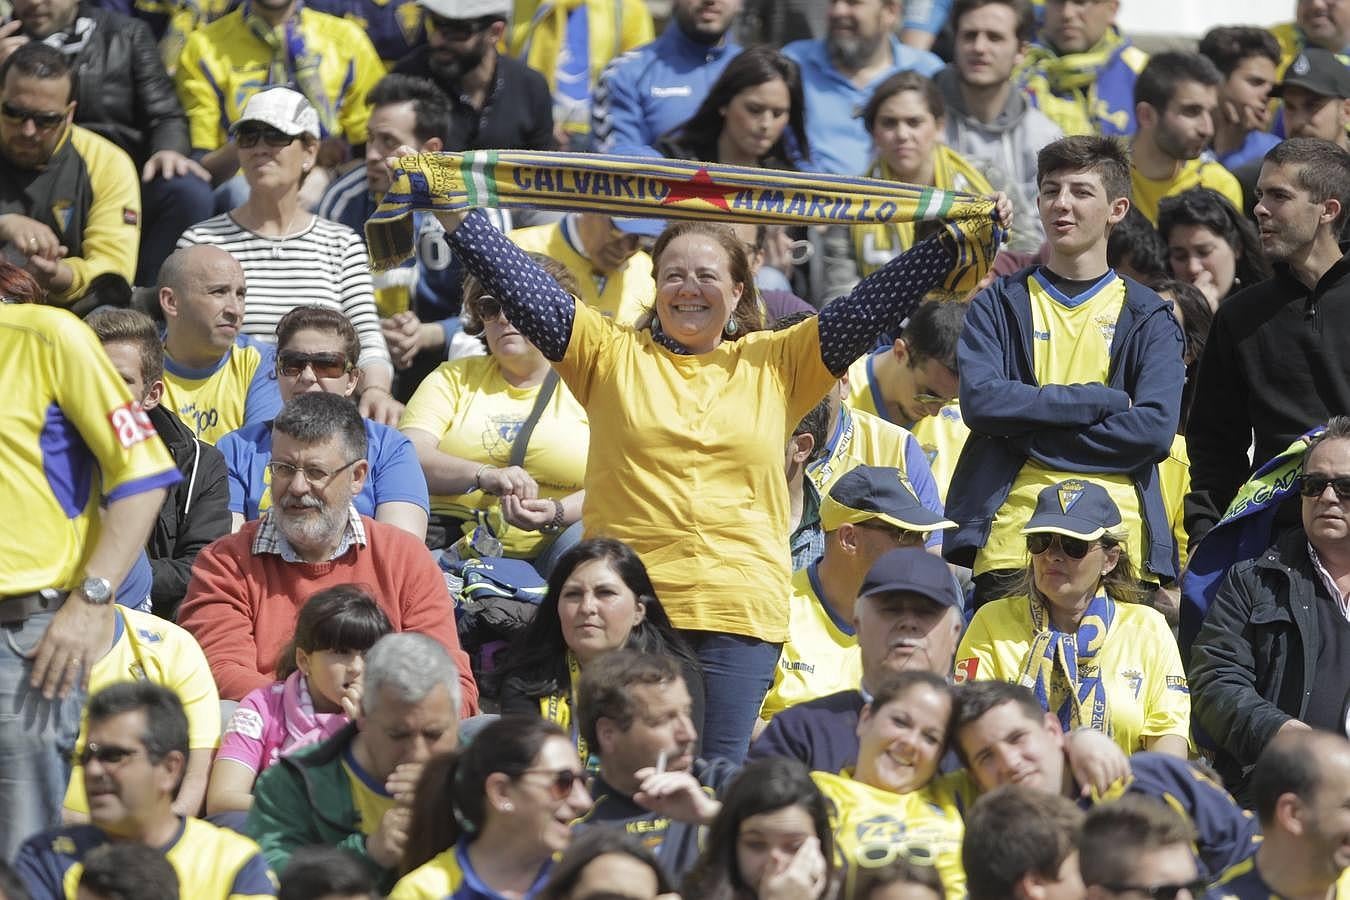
<point x="285" y="110"/>
<point x="467" y="9"/>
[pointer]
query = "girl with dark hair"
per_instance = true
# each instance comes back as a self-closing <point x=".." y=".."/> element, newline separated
<point x="492" y="817"/>
<point x="771" y="840"/>
<point x="318" y="693"/>
<point x="754" y="115"/>
<point x="607" y="858"/>
<point x="902" y="880"/>
<point x="599" y="599"/>
<point x="1210" y="244"/>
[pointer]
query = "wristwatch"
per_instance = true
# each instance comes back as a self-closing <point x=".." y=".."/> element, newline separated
<point x="98" y="591"/>
<point x="555" y="525"/>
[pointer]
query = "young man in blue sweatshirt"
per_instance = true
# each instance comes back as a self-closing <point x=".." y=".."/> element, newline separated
<point x="1067" y="369"/>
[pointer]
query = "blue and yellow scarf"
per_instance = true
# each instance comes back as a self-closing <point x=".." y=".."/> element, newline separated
<point x="1074" y="656"/>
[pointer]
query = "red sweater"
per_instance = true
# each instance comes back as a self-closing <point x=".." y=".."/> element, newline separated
<point x="242" y="608"/>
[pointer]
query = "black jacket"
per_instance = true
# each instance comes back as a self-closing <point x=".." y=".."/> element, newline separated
<point x="122" y="89"/>
<point x="1253" y="664"/>
<point x="1277" y="362"/>
<point x="195" y="513"/>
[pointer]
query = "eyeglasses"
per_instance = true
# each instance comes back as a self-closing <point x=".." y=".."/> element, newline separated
<point x="459" y="29"/>
<point x="325" y="365"/>
<point x="904" y="536"/>
<point x="1195" y="888"/>
<point x="1316" y="485"/>
<point x="248" y="136"/>
<point x="488" y="308"/>
<point x="561" y="781"/>
<point x="283" y="472"/>
<point x="927" y="399"/>
<point x="43" y="121"/>
<point x="1074" y="548"/>
<point x="106" y="754"/>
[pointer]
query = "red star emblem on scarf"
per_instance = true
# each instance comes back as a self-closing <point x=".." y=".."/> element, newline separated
<point x="700" y="187"/>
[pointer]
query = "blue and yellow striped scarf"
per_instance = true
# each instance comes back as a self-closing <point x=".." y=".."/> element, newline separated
<point x="1074" y="657"/>
<point x="672" y="189"/>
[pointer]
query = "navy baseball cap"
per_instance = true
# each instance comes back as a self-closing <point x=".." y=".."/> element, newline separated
<point x="877" y="492"/>
<point x="648" y="228"/>
<point x="1074" y="508"/>
<point x="1319" y="71"/>
<point x="914" y="571"/>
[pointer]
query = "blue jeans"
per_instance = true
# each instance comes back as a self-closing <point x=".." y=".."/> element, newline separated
<point x="169" y="206"/>
<point x="737" y="673"/>
<point x="37" y="738"/>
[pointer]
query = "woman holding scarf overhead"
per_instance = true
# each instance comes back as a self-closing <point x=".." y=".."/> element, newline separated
<point x="689" y="415"/>
<point x="1078" y="635"/>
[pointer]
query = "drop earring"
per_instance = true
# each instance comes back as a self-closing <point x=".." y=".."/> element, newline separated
<point x="730" y="328"/>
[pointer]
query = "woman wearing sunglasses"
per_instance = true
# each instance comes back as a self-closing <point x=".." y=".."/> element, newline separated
<point x="502" y="441"/>
<point x="317" y="349"/>
<point x="489" y="820"/>
<point x="1078" y="634"/>
<point x="291" y="256"/>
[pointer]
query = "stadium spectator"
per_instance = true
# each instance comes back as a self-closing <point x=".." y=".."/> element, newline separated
<point x="1139" y="845"/>
<point x="493" y="817"/>
<point x="1317" y="23"/>
<point x="1079" y="632"/>
<point x="1273" y="367"/>
<point x="247" y="588"/>
<point x="1210" y="245"/>
<point x="989" y="120"/>
<point x="133" y="761"/>
<point x="317" y="349"/>
<point x="290" y="256"/>
<point x="607" y="259"/>
<point x="1299" y="786"/>
<point x="635" y="712"/>
<point x="1247" y="58"/>
<point x="65" y="553"/>
<point x="496" y="101"/>
<point x="1176" y="99"/>
<point x="842" y="70"/>
<point x="215" y="378"/>
<point x="356" y="790"/>
<point x="1022" y="844"/>
<point x="599" y="600"/>
<point x="648" y="91"/>
<point x="1135" y="250"/>
<point x="394" y="29"/>
<point x="806" y="445"/>
<point x="754" y="115"/>
<point x="127" y="872"/>
<point x="69" y="205"/>
<point x="1315" y="91"/>
<point x="601" y="859"/>
<point x="1049" y="392"/>
<point x="900" y="880"/>
<point x="317" y="692"/>
<point x="325" y="873"/>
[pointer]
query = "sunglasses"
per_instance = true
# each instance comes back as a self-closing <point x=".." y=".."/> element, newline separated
<point x="561" y="781"/>
<point x="107" y="755"/>
<point x="1074" y="548"/>
<point x="43" y="121"/>
<point x="488" y="308"/>
<point x="1316" y="485"/>
<point x="325" y="365"/>
<point x="904" y="536"/>
<point x="249" y="135"/>
<point x="459" y="29"/>
<point x="1195" y="888"/>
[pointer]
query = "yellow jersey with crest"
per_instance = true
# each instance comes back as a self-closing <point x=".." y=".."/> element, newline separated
<point x="820" y="656"/>
<point x="1071" y="344"/>
<point x="1147" y="193"/>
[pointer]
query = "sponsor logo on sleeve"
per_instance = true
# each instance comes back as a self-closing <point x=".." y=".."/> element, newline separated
<point x="965" y="670"/>
<point x="131" y="425"/>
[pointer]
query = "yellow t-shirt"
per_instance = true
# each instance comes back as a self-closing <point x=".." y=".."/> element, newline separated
<point x="1139" y="664"/>
<point x="146" y="647"/>
<point x="1147" y="193"/>
<point x="238" y="390"/>
<point x="623" y="295"/>
<point x="477" y="414"/>
<point x="863" y="440"/>
<point x="821" y="653"/>
<point x="872" y="827"/>
<point x="687" y="463"/>
<point x="1071" y="344"/>
<point x="370" y="800"/>
<point x="1174" y="478"/>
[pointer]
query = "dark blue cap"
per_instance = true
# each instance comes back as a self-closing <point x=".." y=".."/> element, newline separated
<point x="877" y="492"/>
<point x="1074" y="508"/>
<point x="913" y="571"/>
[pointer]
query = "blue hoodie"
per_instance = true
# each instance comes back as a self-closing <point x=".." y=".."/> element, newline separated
<point x="1125" y="426"/>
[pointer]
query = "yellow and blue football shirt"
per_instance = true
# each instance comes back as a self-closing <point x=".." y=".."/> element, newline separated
<point x="212" y="863"/>
<point x="820" y="656"/>
<point x="240" y="389"/>
<point x="450" y="876"/>
<point x="1148" y="193"/>
<point x="623" y="295"/>
<point x="1243" y="881"/>
<point x="369" y="797"/>
<point x="70" y="437"/>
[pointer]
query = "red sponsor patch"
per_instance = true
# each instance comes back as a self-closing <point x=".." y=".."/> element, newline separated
<point x="129" y="216"/>
<point x="131" y="425"/>
<point x="965" y="670"/>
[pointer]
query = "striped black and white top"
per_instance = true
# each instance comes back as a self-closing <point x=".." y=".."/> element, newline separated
<point x="325" y="265"/>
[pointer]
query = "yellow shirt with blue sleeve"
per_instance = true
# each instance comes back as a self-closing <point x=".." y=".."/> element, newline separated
<point x="697" y="442"/>
<point x="1142" y="678"/>
<point x="1071" y="344"/>
<point x="475" y="414"/>
<point x="148" y="648"/>
<point x="623" y="295"/>
<point x="224" y="63"/>
<point x="369" y="798"/>
<point x="1148" y="193"/>
<point x="70" y="437"/>
<point x="821" y="653"/>
<point x="873" y="827"/>
<point x="212" y="863"/>
<point x="450" y="876"/>
<point x="240" y="389"/>
<point x="1243" y="881"/>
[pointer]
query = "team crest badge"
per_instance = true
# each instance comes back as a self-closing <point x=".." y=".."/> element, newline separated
<point x="1069" y="494"/>
<point x="409" y="17"/>
<point x="1301" y="65"/>
<point x="62" y="212"/>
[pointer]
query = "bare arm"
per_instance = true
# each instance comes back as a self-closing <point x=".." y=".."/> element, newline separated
<point x="408" y="516"/>
<point x="192" y="792"/>
<point x="231" y="787"/>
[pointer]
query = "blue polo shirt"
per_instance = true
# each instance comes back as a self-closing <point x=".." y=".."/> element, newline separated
<point x="840" y="144"/>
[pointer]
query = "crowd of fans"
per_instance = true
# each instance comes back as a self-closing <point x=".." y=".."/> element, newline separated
<point x="587" y="556"/>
